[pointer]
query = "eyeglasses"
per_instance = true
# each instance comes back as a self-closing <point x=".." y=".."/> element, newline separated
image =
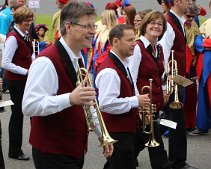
<point x="153" y="23"/>
<point x="137" y="20"/>
<point x="28" y="20"/>
<point x="88" y="26"/>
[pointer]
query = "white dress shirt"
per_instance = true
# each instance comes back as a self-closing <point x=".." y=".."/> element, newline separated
<point x="108" y="84"/>
<point x="40" y="97"/>
<point x="136" y="59"/>
<point x="11" y="46"/>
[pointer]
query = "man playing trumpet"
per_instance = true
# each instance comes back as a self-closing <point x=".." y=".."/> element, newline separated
<point x="59" y="130"/>
<point x="117" y="97"/>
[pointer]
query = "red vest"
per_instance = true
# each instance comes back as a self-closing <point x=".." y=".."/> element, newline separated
<point x="22" y="57"/>
<point x="149" y="68"/>
<point x="64" y="132"/>
<point x="179" y="46"/>
<point x="126" y="122"/>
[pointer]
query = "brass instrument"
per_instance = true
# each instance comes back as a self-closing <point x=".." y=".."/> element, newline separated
<point x="148" y="111"/>
<point x="172" y="71"/>
<point x="106" y="139"/>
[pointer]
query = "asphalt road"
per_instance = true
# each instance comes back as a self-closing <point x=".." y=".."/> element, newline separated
<point x="199" y="149"/>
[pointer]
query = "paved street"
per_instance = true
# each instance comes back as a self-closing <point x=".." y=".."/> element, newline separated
<point x="199" y="149"/>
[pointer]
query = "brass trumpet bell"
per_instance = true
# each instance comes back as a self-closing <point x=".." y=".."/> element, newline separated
<point x="106" y="139"/>
<point x="152" y="143"/>
<point x="148" y="111"/>
<point x="172" y="87"/>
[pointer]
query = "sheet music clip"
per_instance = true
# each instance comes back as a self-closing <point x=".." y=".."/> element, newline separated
<point x="180" y="80"/>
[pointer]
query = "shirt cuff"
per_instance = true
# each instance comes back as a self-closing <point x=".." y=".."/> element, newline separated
<point x="133" y="101"/>
<point x="25" y="71"/>
<point x="64" y="101"/>
<point x="164" y="87"/>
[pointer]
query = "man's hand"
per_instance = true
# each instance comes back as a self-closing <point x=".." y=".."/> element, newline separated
<point x="82" y="95"/>
<point x="143" y="100"/>
<point x="1" y="82"/>
<point x="165" y="96"/>
<point x="108" y="150"/>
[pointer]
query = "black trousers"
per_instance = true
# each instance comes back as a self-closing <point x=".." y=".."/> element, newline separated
<point x="123" y="156"/>
<point x="2" y="166"/>
<point x="16" y="89"/>
<point x="158" y="155"/>
<point x="55" y="161"/>
<point x="178" y="137"/>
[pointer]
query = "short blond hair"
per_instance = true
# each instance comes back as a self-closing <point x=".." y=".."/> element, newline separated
<point x="21" y="14"/>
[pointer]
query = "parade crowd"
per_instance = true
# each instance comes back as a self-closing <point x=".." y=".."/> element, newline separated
<point x="132" y="77"/>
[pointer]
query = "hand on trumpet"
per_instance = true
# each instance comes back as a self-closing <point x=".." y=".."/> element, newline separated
<point x="143" y="100"/>
<point x="165" y="96"/>
<point x="82" y="95"/>
<point x="107" y="149"/>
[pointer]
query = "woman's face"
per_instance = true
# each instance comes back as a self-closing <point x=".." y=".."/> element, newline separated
<point x="164" y="7"/>
<point x="21" y="2"/>
<point x="41" y="32"/>
<point x="137" y="22"/>
<point x="154" y="29"/>
<point x="103" y="19"/>
<point x="189" y="17"/>
<point x="25" y="25"/>
<point x="125" y="16"/>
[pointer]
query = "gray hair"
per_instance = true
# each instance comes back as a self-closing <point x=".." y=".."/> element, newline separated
<point x="193" y="9"/>
<point x="72" y="11"/>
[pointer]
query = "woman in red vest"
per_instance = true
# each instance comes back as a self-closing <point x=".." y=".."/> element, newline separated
<point x="17" y="58"/>
<point x="145" y="64"/>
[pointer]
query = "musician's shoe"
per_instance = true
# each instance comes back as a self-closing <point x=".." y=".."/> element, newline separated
<point x="197" y="132"/>
<point x="187" y="166"/>
<point x="20" y="157"/>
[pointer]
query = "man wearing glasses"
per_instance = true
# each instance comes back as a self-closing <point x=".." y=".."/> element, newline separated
<point x="59" y="130"/>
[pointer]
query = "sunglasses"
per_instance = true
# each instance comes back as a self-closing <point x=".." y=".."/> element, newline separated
<point x="190" y="16"/>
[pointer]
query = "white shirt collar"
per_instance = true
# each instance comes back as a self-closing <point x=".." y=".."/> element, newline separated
<point x="181" y="19"/>
<point x="146" y="41"/>
<point x="72" y="56"/>
<point x="125" y="62"/>
<point x="19" y="31"/>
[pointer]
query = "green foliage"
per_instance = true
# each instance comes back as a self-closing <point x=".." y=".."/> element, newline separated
<point x="45" y="19"/>
<point x="202" y="19"/>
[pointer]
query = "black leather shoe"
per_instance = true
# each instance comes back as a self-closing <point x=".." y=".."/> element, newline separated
<point x="188" y="167"/>
<point x="20" y="157"/>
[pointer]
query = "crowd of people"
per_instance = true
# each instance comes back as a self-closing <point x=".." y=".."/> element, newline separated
<point x="126" y="52"/>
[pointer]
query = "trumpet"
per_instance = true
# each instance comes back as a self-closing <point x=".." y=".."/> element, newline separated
<point x="88" y="110"/>
<point x="146" y="111"/>
<point x="172" y="71"/>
